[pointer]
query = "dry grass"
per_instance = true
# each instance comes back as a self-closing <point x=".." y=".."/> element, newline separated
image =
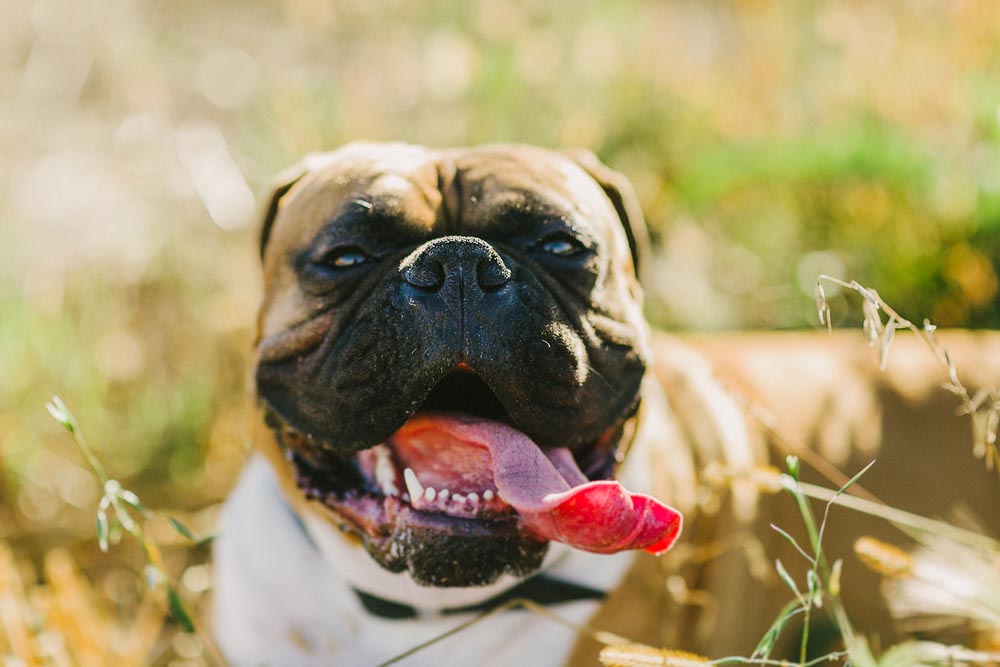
<point x="983" y="406"/>
<point x="852" y="133"/>
<point x="62" y="620"/>
<point x="64" y="616"/>
<point x="951" y="578"/>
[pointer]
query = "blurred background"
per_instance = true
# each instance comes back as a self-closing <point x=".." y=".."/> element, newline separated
<point x="769" y="142"/>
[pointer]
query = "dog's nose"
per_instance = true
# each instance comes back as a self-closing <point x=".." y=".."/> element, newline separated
<point x="471" y="261"/>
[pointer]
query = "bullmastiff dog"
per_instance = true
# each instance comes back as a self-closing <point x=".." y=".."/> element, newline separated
<point x="451" y="370"/>
<point x="461" y="404"/>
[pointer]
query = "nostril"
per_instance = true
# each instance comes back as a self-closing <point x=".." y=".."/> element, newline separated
<point x="428" y="274"/>
<point x="462" y="260"/>
<point x="492" y="273"/>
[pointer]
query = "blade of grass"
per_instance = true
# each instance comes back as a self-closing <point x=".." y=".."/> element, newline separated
<point x="792" y="541"/>
<point x="770" y="638"/>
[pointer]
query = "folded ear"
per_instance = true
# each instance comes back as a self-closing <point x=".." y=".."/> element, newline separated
<point x="280" y="187"/>
<point x="622" y="195"/>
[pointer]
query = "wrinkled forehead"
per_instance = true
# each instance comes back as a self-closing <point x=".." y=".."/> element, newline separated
<point x="493" y="178"/>
<point x="422" y="186"/>
<point x="395" y="178"/>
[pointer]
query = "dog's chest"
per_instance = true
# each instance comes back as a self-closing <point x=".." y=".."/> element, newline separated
<point x="279" y="601"/>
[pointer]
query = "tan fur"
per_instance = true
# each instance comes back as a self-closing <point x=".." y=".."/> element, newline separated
<point x="824" y="398"/>
<point x="738" y="402"/>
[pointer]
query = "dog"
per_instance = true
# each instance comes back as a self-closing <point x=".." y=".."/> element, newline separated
<point x="461" y="404"/>
<point x="451" y="368"/>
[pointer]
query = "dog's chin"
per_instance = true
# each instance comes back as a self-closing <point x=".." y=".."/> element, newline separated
<point x="428" y="504"/>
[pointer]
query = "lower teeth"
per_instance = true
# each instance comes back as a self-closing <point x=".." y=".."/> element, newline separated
<point x="429" y="498"/>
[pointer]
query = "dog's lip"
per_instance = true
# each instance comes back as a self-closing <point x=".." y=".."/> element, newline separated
<point x="380" y="518"/>
<point x="543" y="494"/>
<point x="552" y="498"/>
<point x="353" y="489"/>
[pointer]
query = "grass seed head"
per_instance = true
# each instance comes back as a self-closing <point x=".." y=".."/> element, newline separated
<point x="884" y="558"/>
<point x="637" y="655"/>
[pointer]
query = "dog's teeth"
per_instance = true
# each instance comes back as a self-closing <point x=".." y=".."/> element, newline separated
<point x="474" y="497"/>
<point x="413" y="484"/>
<point x="390" y="489"/>
<point x="385" y="471"/>
<point x="430" y="494"/>
<point x="487" y="495"/>
<point x="458" y="498"/>
<point x="443" y="494"/>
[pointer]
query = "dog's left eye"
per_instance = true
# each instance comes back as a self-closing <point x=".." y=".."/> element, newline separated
<point x="345" y="257"/>
<point x="561" y="244"/>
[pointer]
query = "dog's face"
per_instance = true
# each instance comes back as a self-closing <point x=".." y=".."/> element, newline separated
<point x="438" y="326"/>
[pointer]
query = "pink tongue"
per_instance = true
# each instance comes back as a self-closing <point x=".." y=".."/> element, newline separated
<point x="554" y="498"/>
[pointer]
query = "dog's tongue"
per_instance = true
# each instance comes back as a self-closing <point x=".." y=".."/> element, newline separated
<point x="551" y="495"/>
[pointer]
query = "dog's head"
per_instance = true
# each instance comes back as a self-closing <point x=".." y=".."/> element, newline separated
<point x="450" y="353"/>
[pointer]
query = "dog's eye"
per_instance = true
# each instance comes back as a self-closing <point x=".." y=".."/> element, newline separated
<point x="561" y="244"/>
<point x="345" y="257"/>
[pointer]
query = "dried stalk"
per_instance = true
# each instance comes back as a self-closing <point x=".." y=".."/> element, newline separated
<point x="983" y="406"/>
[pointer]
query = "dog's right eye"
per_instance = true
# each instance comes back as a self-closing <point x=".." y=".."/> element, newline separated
<point x="345" y="257"/>
<point x="561" y="244"/>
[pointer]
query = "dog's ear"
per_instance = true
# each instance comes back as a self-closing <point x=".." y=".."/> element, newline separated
<point x="280" y="187"/>
<point x="622" y="195"/>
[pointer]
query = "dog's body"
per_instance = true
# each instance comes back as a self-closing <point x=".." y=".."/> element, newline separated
<point x="418" y="305"/>
<point x="288" y="606"/>
<point x="282" y="598"/>
<point x="515" y="266"/>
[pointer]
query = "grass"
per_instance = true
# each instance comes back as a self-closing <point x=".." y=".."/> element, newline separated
<point x="861" y="140"/>
<point x="794" y="134"/>
<point x="924" y="582"/>
<point x="119" y="512"/>
<point x="921" y="580"/>
<point x="983" y="407"/>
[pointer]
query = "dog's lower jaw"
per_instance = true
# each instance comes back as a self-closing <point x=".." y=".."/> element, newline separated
<point x="355" y="565"/>
<point x="364" y="574"/>
<point x="279" y="600"/>
<point x="284" y="595"/>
